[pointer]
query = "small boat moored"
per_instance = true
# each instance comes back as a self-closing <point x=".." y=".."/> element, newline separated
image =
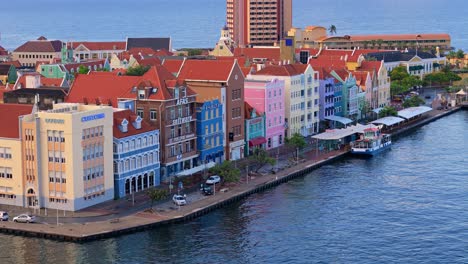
<point x="371" y="142"/>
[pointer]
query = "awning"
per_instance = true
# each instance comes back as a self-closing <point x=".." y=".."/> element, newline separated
<point x="413" y="111"/>
<point x="340" y="119"/>
<point x="335" y="134"/>
<point x="388" y="120"/>
<point x="196" y="169"/>
<point x="257" y="141"/>
<point x="461" y="92"/>
<point x="377" y="110"/>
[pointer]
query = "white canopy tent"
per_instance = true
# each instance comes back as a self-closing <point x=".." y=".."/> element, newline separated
<point x="336" y="134"/>
<point x="196" y="169"/>
<point x="388" y="120"/>
<point x="340" y="119"/>
<point x="413" y="111"/>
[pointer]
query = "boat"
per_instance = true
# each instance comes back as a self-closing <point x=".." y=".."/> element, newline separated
<point x="371" y="142"/>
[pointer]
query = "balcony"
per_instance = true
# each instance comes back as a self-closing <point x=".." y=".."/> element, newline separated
<point x="182" y="156"/>
<point x="181" y="120"/>
<point x="180" y="138"/>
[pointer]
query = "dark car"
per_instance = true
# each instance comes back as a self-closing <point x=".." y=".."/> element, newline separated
<point x="206" y="189"/>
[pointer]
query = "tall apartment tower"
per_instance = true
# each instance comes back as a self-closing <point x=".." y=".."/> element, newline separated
<point x="258" y="22"/>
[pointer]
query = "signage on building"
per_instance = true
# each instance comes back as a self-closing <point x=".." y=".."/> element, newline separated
<point x="93" y="117"/>
<point x="182" y="101"/>
<point x="182" y="120"/>
<point x="236" y="144"/>
<point x="183" y="137"/>
<point x="54" y="121"/>
<point x="256" y="120"/>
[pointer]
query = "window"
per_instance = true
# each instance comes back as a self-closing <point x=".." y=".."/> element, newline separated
<point x="236" y="130"/>
<point x="236" y="112"/>
<point x="236" y="94"/>
<point x="140" y="112"/>
<point x="269" y="142"/>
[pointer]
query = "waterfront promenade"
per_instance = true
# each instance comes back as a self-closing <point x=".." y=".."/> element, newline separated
<point x="118" y="218"/>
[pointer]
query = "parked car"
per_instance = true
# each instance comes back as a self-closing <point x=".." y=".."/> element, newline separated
<point x="213" y="179"/>
<point x="24" y="218"/>
<point x="206" y="189"/>
<point x="4" y="216"/>
<point x="179" y="199"/>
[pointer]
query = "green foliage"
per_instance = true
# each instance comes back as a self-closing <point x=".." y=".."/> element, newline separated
<point x="441" y="77"/>
<point x="83" y="70"/>
<point x="260" y="158"/>
<point x="451" y="55"/>
<point x="464" y="82"/>
<point x="194" y="52"/>
<point x="398" y="73"/>
<point x="226" y="171"/>
<point x="156" y="195"/>
<point x="402" y="81"/>
<point x="296" y="142"/>
<point x="388" y="111"/>
<point x="137" y="70"/>
<point x="397" y="88"/>
<point x="413" y="101"/>
<point x="460" y="54"/>
<point x="332" y="30"/>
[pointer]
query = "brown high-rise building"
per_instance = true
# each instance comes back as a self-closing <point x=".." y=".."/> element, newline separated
<point x="258" y="22"/>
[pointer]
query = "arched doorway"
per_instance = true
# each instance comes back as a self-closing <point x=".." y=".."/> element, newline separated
<point x="151" y="179"/>
<point x="145" y="181"/>
<point x="140" y="183"/>
<point x="127" y="186"/>
<point x="133" y="184"/>
<point x="31" y="198"/>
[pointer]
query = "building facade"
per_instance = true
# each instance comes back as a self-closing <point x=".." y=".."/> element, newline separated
<point x="67" y="163"/>
<point x="268" y="99"/>
<point x="85" y="50"/>
<point x="258" y="22"/>
<point x="136" y="154"/>
<point x="41" y="49"/>
<point x="326" y="94"/>
<point x="210" y="135"/>
<point x="222" y="80"/>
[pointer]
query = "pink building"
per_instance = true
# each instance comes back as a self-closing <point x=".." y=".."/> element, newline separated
<point x="267" y="97"/>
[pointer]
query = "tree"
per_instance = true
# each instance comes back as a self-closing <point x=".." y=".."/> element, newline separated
<point x="332" y="30"/>
<point x="441" y="77"/>
<point x="413" y="101"/>
<point x="137" y="70"/>
<point x="194" y="52"/>
<point x="451" y="55"/>
<point x="226" y="171"/>
<point x="83" y="69"/>
<point x="398" y="73"/>
<point x="373" y="42"/>
<point x="379" y="43"/>
<point x="388" y="111"/>
<point x="296" y="142"/>
<point x="460" y="54"/>
<point x="260" y="158"/>
<point x="156" y="195"/>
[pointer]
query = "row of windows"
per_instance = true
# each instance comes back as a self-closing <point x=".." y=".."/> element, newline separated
<point x="96" y="195"/>
<point x="6" y="173"/>
<point x="280" y="106"/>
<point x="211" y="128"/>
<point x="136" y="143"/>
<point x="211" y="142"/>
<point x="5" y="189"/>
<point x="137" y="162"/>
<point x="93" y="151"/>
<point x="98" y="190"/>
<point x="92" y="132"/>
<point x="275" y="91"/>
<point x="93" y="173"/>
<point x="179" y="150"/>
<point x="7" y="196"/>
<point x="276" y="121"/>
<point x="5" y="153"/>
<point x="34" y="56"/>
<point x="28" y="135"/>
<point x="57" y="180"/>
<point x="57" y="200"/>
<point x="213" y="113"/>
<point x="57" y="156"/>
<point x="56" y="193"/>
<point x="188" y="130"/>
<point x="236" y="112"/>
<point x="55" y="136"/>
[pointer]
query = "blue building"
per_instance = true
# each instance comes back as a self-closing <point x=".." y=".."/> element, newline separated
<point x="210" y="132"/>
<point x="254" y="130"/>
<point x="136" y="154"/>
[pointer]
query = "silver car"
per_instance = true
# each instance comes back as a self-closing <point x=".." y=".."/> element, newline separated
<point x="24" y="218"/>
<point x="179" y="199"/>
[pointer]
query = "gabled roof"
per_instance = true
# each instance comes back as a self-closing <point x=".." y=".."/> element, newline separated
<point x="51" y="91"/>
<point x="15" y="63"/>
<point x="151" y="61"/>
<point x="173" y="66"/>
<point x="393" y="56"/>
<point x="248" y="110"/>
<point x="98" y="45"/>
<point x="120" y="115"/>
<point x="9" y="114"/>
<point x="370" y="66"/>
<point x="283" y="70"/>
<point x="3" y="51"/>
<point x="271" y="54"/>
<point x="327" y="62"/>
<point x="206" y="70"/>
<point x="88" y="63"/>
<point x="361" y="77"/>
<point x="105" y="88"/>
<point x="156" y="77"/>
<point x="153" y="43"/>
<point x="40" y="46"/>
<point x="5" y="69"/>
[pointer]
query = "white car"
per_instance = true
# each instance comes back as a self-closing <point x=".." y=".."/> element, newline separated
<point x="24" y="218"/>
<point x="4" y="216"/>
<point x="179" y="199"/>
<point x="213" y="179"/>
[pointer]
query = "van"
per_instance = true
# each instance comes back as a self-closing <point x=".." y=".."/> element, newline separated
<point x="4" y="216"/>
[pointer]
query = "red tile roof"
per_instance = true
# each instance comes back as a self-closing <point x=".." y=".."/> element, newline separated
<point x="246" y="70"/>
<point x="51" y="81"/>
<point x="91" y="63"/>
<point x="361" y="77"/>
<point x="119" y="116"/>
<point x="105" y="88"/>
<point x="9" y="114"/>
<point x="248" y="110"/>
<point x="99" y="45"/>
<point x="15" y="63"/>
<point x="327" y="62"/>
<point x="370" y="66"/>
<point x="21" y="82"/>
<point x="40" y="46"/>
<point x="152" y="61"/>
<point x="173" y="65"/>
<point x="3" y="51"/>
<point x="271" y="54"/>
<point x="283" y="70"/>
<point x="212" y="70"/>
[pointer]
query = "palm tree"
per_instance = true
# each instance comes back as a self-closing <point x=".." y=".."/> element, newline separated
<point x="332" y="30"/>
<point x="365" y="43"/>
<point x="379" y="43"/>
<point x="373" y="42"/>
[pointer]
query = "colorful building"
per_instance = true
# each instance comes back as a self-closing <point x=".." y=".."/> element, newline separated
<point x="8" y="73"/>
<point x="222" y="80"/>
<point x="254" y="130"/>
<point x="87" y="50"/>
<point x="267" y="97"/>
<point x="352" y="97"/>
<point x="326" y="94"/>
<point x="41" y="49"/>
<point x="210" y="135"/>
<point x="301" y="96"/>
<point x="136" y="154"/>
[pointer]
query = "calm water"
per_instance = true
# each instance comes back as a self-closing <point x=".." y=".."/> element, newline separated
<point x="407" y="205"/>
<point x="197" y="23"/>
